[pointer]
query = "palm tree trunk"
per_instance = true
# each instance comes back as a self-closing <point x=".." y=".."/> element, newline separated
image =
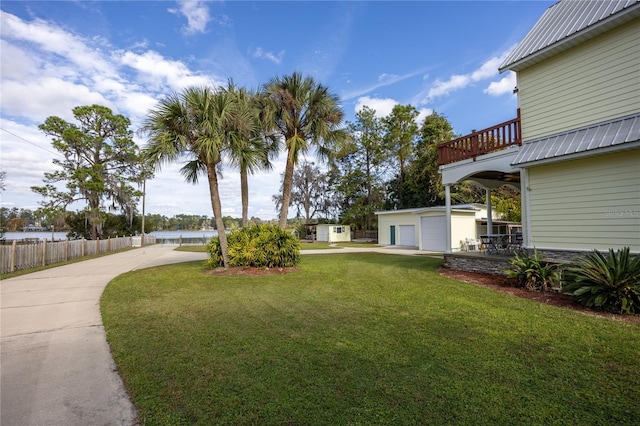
<point x="287" y="184"/>
<point x="244" y="189"/>
<point x="212" y="174"/>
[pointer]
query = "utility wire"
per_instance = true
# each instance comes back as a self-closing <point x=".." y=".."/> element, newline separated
<point x="29" y="142"/>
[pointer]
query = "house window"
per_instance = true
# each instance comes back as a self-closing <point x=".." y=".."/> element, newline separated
<point x="338" y="229"/>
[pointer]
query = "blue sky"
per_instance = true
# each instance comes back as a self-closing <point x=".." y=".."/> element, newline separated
<point x="437" y="56"/>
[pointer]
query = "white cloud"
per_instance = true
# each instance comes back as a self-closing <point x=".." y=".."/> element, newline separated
<point x="488" y="69"/>
<point x="53" y="40"/>
<point x="26" y="155"/>
<point x="47" y="70"/>
<point x="158" y="72"/>
<point x="383" y="107"/>
<point x="441" y="88"/>
<point x="259" y="52"/>
<point x="422" y="114"/>
<point x="459" y="81"/>
<point x="15" y="62"/>
<point x="197" y="14"/>
<point x="47" y="96"/>
<point x="503" y="86"/>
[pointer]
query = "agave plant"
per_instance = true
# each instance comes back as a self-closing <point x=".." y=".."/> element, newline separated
<point x="610" y="283"/>
<point x="532" y="273"/>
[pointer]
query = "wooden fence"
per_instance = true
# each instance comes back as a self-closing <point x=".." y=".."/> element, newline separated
<point x="16" y="257"/>
<point x="369" y="235"/>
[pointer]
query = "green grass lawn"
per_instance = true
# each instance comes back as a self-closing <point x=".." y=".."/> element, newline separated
<point x="317" y="246"/>
<point x="195" y="249"/>
<point x="362" y="339"/>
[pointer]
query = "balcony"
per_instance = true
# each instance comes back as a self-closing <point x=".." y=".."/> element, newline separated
<point x="481" y="142"/>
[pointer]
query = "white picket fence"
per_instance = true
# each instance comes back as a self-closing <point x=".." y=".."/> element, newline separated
<point x="16" y="257"/>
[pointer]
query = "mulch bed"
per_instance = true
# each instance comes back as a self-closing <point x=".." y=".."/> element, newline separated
<point x="506" y="285"/>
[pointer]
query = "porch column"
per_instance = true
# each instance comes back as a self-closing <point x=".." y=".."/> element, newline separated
<point x="489" y="213"/>
<point x="447" y="195"/>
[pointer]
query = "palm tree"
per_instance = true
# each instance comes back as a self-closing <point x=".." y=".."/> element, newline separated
<point x="250" y="151"/>
<point x="197" y="123"/>
<point x="302" y="114"/>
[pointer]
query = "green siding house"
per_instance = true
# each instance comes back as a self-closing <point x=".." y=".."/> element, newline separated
<point x="574" y="149"/>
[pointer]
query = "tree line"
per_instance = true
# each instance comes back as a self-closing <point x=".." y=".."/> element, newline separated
<point x="373" y="163"/>
<point x="386" y="163"/>
<point x="76" y="224"/>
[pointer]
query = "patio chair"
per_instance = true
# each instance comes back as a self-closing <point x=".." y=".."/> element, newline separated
<point x="472" y="244"/>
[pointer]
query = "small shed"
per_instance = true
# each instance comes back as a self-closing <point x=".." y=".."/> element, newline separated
<point x="333" y="233"/>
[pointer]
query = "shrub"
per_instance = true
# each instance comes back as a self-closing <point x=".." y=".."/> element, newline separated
<point x="610" y="283"/>
<point x="263" y="246"/>
<point x="532" y="273"/>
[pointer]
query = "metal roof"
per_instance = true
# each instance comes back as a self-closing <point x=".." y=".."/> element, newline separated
<point x="566" y="24"/>
<point x="611" y="135"/>
<point x="419" y="210"/>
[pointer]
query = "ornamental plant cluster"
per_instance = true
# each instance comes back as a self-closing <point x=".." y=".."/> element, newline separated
<point x="610" y="283"/>
<point x="606" y="282"/>
<point x="532" y="273"/>
<point x="260" y="246"/>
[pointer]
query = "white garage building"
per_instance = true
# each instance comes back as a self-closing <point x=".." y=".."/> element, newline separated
<point x="425" y="228"/>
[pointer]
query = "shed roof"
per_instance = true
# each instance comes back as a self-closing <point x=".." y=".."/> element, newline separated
<point x="419" y="210"/>
<point x="616" y="134"/>
<point x="566" y="24"/>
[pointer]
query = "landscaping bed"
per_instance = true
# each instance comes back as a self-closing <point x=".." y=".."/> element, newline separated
<point x="506" y="285"/>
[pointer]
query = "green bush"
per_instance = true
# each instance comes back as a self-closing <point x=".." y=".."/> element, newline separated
<point x="532" y="273"/>
<point x="262" y="246"/>
<point x="610" y="283"/>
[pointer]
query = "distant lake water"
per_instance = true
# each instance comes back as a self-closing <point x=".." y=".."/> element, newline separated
<point x="9" y="236"/>
<point x="40" y="235"/>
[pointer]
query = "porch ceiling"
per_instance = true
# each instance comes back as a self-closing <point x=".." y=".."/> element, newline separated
<point x="490" y="170"/>
<point x="513" y="177"/>
<point x="495" y="179"/>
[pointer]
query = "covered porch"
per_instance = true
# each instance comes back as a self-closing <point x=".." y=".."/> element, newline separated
<point x="484" y="157"/>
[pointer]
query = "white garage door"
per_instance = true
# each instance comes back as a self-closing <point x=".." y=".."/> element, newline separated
<point x="433" y="233"/>
<point x="407" y="235"/>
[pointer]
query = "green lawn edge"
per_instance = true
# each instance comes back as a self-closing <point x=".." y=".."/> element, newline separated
<point x="361" y="339"/>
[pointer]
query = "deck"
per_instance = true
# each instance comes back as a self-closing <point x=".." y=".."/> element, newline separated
<point x="481" y="142"/>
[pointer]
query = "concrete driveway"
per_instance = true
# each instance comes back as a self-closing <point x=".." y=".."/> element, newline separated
<point x="56" y="367"/>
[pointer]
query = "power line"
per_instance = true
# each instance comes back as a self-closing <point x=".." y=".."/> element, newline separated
<point x="29" y="142"/>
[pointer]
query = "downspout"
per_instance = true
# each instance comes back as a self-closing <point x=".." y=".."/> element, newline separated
<point x="447" y="192"/>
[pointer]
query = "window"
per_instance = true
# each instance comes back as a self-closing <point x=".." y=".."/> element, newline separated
<point x="338" y="229"/>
